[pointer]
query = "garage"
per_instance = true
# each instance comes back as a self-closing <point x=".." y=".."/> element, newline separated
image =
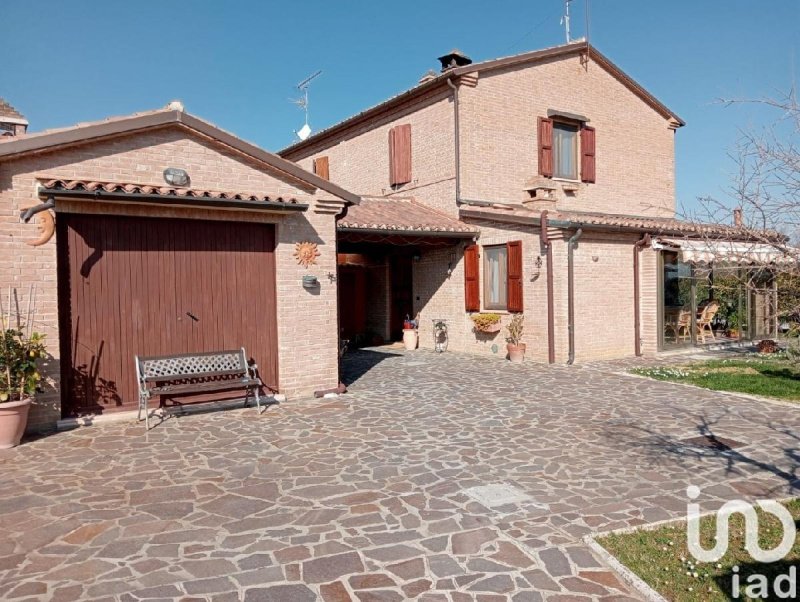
<point x="154" y="286"/>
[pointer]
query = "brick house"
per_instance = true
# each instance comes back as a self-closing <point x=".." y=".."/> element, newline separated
<point x="124" y="262"/>
<point x="559" y="169"/>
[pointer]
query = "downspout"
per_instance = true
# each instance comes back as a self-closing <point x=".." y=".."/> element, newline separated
<point x="551" y="327"/>
<point x="637" y="336"/>
<point x="571" y="293"/>
<point x="457" y="134"/>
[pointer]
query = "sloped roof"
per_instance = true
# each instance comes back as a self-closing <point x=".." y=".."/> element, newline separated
<point x="7" y="111"/>
<point x="82" y="133"/>
<point x="609" y="221"/>
<point x="402" y="215"/>
<point x="440" y="79"/>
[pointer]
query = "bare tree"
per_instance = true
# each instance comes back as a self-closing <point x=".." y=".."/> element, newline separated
<point x="757" y="224"/>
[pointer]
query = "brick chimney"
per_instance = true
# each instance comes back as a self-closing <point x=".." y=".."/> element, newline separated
<point x="12" y="122"/>
<point x="737" y="217"/>
<point x="454" y="58"/>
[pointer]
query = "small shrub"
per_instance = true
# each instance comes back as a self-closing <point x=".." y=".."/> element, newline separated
<point x="767" y="346"/>
<point x="485" y="321"/>
<point x="515" y="328"/>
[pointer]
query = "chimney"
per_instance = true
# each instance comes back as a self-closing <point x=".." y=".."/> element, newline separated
<point x="737" y="217"/>
<point x="12" y="122"/>
<point x="454" y="58"/>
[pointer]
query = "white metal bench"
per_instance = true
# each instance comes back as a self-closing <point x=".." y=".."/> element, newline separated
<point x="195" y="373"/>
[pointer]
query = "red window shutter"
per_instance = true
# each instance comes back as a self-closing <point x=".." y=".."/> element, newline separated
<point x="321" y="168"/>
<point x="514" y="275"/>
<point x="546" y="147"/>
<point x="400" y="155"/>
<point x="472" y="297"/>
<point x="587" y="154"/>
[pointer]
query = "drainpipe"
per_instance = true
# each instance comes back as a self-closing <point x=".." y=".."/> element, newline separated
<point x="571" y="293"/>
<point x="638" y="246"/>
<point x="545" y="241"/>
<point x="31" y="211"/>
<point x="457" y="135"/>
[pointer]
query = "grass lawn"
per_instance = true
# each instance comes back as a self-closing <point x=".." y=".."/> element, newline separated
<point x="757" y="374"/>
<point x="661" y="558"/>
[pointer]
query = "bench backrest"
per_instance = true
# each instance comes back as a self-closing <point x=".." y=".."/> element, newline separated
<point x="191" y="365"/>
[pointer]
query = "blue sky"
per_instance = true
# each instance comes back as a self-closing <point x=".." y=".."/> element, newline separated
<point x="236" y="63"/>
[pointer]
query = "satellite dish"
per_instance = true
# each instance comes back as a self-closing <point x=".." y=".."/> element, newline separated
<point x="304" y="132"/>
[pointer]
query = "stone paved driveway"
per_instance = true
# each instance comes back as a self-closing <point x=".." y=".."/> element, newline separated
<point x="365" y="497"/>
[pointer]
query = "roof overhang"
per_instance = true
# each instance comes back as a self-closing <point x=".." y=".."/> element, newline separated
<point x="140" y="195"/>
<point x="727" y="252"/>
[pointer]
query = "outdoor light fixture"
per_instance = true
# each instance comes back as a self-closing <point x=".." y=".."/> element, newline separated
<point x="310" y="282"/>
<point x="176" y="177"/>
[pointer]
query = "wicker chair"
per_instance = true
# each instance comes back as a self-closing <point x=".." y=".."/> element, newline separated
<point x="704" y="321"/>
<point x="679" y="323"/>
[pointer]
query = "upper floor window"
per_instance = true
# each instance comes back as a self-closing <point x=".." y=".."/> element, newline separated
<point x="565" y="150"/>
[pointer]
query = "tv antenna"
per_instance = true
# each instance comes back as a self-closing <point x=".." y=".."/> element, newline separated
<point x="565" y="20"/>
<point x="302" y="102"/>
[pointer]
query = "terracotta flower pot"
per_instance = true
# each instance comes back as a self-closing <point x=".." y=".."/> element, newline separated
<point x="410" y="338"/>
<point x="13" y="419"/>
<point x="516" y="353"/>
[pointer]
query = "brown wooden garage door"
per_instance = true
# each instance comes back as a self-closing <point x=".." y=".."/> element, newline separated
<point x="152" y="286"/>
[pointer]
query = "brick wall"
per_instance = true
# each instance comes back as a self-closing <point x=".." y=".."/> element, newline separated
<point x="499" y="149"/>
<point x="360" y="161"/>
<point x="306" y="322"/>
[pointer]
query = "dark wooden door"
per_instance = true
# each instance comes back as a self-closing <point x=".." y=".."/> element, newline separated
<point x="352" y="302"/>
<point x="152" y="286"/>
<point x="402" y="295"/>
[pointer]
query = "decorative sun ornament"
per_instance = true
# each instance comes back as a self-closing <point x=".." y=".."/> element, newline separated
<point x="306" y="253"/>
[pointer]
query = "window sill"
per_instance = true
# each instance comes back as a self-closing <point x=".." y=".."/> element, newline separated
<point x="567" y="180"/>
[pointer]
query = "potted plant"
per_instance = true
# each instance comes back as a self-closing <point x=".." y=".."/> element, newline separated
<point x="516" y="348"/>
<point x="486" y="322"/>
<point x="19" y="377"/>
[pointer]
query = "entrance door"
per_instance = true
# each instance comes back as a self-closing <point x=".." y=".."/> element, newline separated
<point x="151" y="286"/>
<point x="402" y="294"/>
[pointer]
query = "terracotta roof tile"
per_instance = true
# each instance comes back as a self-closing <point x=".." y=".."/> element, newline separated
<point x="157" y="189"/>
<point x="586" y="219"/>
<point x="6" y="110"/>
<point x="401" y="215"/>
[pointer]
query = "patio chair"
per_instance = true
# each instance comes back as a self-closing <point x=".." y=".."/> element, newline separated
<point x="679" y="324"/>
<point x="704" y="321"/>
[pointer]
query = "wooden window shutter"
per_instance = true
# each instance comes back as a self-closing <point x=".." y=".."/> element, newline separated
<point x="321" y="168"/>
<point x="587" y="154"/>
<point x="472" y="295"/>
<point x="514" y="275"/>
<point x="545" y="147"/>
<point x="400" y="155"/>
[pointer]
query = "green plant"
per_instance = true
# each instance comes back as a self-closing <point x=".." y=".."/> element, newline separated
<point x="484" y="321"/>
<point x="19" y="374"/>
<point x="515" y="328"/>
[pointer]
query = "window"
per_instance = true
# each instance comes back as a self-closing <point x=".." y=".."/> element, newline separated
<point x="559" y="142"/>
<point x="495" y="277"/>
<point x="565" y="150"/>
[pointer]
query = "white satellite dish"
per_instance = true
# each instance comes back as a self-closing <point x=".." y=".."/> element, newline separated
<point x="304" y="132"/>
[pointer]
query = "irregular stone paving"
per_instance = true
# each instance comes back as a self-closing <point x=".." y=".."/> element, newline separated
<point x="362" y="497"/>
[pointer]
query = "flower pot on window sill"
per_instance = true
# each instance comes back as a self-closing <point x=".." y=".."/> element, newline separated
<point x="13" y="420"/>
<point x="516" y="353"/>
<point x="490" y="328"/>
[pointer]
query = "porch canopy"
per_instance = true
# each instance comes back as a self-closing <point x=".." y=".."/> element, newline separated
<point x="725" y="252"/>
<point x="401" y="221"/>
